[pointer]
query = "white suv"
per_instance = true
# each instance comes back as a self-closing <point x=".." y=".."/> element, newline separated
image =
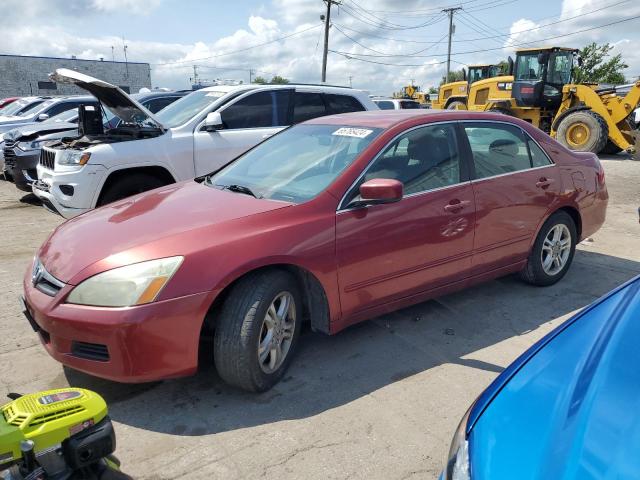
<point x="193" y="136"/>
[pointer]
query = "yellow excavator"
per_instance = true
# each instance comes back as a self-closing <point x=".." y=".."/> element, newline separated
<point x="453" y="95"/>
<point x="413" y="92"/>
<point x="583" y="117"/>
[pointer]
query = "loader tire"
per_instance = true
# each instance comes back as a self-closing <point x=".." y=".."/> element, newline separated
<point x="455" y="104"/>
<point x="610" y="148"/>
<point x="583" y="131"/>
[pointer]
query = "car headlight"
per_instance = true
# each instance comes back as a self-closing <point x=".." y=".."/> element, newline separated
<point x="457" y="467"/>
<point x="135" y="284"/>
<point x="28" y="146"/>
<point x="73" y="157"/>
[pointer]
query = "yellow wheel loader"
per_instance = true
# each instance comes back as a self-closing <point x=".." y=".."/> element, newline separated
<point x="453" y="95"/>
<point x="583" y="117"/>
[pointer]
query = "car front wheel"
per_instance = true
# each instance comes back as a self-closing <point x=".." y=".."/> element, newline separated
<point x="257" y="330"/>
<point x="552" y="251"/>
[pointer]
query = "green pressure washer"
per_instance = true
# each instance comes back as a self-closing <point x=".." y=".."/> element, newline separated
<point x="62" y="434"/>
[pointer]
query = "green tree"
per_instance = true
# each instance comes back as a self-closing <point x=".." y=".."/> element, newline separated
<point x="278" y="80"/>
<point x="260" y="80"/>
<point x="598" y="66"/>
<point x="454" y="76"/>
<point x="432" y="90"/>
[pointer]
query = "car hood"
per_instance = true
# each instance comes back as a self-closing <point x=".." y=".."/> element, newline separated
<point x="168" y="221"/>
<point x="38" y="129"/>
<point x="570" y="410"/>
<point x="112" y="97"/>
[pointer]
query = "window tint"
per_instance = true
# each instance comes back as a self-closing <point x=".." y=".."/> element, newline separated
<point x="343" y="104"/>
<point x="261" y="109"/>
<point x="422" y="159"/>
<point x="538" y="157"/>
<point x="497" y="149"/>
<point x="61" y="107"/>
<point x="404" y="104"/>
<point x="307" y="106"/>
<point x="385" y="105"/>
<point x="157" y="104"/>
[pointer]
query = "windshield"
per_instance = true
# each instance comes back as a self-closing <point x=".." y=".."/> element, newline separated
<point x="35" y="108"/>
<point x="297" y="164"/>
<point x="187" y="107"/>
<point x="18" y="105"/>
<point x="528" y="68"/>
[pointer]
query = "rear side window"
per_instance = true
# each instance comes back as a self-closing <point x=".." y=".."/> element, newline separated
<point x="385" y="105"/>
<point x="343" y="104"/>
<point x="61" y="107"/>
<point x="258" y="110"/>
<point x="307" y="106"/>
<point x="538" y="157"/>
<point x="409" y="105"/>
<point x="497" y="149"/>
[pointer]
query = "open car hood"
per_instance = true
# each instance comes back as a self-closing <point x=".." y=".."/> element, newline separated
<point x="39" y="129"/>
<point x="112" y="97"/>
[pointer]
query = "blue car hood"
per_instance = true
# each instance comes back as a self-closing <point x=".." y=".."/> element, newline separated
<point x="569" y="408"/>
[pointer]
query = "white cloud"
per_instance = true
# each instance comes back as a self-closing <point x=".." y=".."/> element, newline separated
<point x="135" y="7"/>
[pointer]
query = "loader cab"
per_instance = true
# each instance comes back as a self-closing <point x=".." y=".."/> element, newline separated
<point x="540" y="75"/>
<point x="480" y="72"/>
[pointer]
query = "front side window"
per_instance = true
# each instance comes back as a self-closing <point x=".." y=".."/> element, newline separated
<point x="157" y="104"/>
<point x="307" y="105"/>
<point x="528" y="68"/>
<point x="297" y="164"/>
<point x="343" y="104"/>
<point x="406" y="104"/>
<point x="258" y="110"/>
<point x="423" y="159"/>
<point x="500" y="148"/>
<point x="62" y="107"/>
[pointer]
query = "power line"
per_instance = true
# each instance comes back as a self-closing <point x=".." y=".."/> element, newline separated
<point x="511" y="45"/>
<point x="240" y="50"/>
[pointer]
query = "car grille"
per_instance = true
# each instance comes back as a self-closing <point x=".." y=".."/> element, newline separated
<point x="47" y="158"/>
<point x="44" y="281"/>
<point x="90" y="351"/>
<point x="9" y="153"/>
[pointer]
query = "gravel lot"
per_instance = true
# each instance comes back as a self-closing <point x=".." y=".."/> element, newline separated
<point x="378" y="401"/>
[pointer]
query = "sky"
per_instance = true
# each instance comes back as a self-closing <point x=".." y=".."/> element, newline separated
<point x="375" y="45"/>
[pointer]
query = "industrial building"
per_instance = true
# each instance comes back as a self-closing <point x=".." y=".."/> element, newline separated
<point x="26" y="75"/>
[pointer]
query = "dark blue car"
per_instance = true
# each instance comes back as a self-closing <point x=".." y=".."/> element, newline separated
<point x="567" y="409"/>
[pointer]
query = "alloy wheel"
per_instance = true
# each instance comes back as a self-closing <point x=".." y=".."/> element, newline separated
<point x="556" y="249"/>
<point x="276" y="333"/>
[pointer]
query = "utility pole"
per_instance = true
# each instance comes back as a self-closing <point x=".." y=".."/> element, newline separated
<point x="126" y="64"/>
<point x="327" y="19"/>
<point x="250" y="75"/>
<point x="350" y="81"/>
<point x="195" y="74"/>
<point x="450" y="11"/>
<point x="113" y="55"/>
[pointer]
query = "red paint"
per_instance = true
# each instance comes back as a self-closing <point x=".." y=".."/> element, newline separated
<point x="381" y="189"/>
<point x="369" y="260"/>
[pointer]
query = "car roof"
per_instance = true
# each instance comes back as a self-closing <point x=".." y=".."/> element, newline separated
<point x="301" y="86"/>
<point x="390" y="118"/>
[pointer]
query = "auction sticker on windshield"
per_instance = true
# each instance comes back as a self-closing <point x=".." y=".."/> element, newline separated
<point x="352" y="132"/>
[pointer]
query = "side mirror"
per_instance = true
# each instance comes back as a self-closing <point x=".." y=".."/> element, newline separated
<point x="378" y="191"/>
<point x="579" y="61"/>
<point x="42" y="117"/>
<point x="213" y="122"/>
<point x="543" y="58"/>
<point x="464" y="74"/>
<point x="510" y="63"/>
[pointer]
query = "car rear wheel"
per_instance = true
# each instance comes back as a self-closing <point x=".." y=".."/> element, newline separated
<point x="257" y="330"/>
<point x="128" y="186"/>
<point x="552" y="251"/>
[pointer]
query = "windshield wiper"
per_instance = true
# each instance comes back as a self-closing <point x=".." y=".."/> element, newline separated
<point x="240" y="189"/>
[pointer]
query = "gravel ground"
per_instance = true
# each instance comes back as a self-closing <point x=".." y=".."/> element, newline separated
<point x="378" y="401"/>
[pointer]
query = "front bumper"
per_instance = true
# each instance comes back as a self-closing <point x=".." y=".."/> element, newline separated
<point x="138" y="344"/>
<point x="83" y="182"/>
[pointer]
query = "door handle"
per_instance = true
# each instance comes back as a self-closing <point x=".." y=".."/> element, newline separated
<point x="544" y="182"/>
<point x="456" y="205"/>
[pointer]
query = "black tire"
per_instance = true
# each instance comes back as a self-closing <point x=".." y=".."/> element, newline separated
<point x="455" y="104"/>
<point x="534" y="272"/>
<point x="610" y="148"/>
<point x="502" y="110"/>
<point x="239" y="329"/>
<point x="598" y="131"/>
<point x="129" y="185"/>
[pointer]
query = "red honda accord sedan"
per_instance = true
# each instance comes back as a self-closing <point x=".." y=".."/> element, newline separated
<point x="331" y="222"/>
